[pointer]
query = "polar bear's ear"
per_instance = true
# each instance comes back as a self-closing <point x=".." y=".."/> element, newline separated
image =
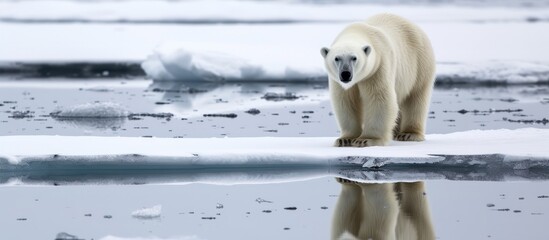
<point x="367" y="50"/>
<point x="324" y="51"/>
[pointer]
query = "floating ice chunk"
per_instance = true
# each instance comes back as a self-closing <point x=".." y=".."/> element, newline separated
<point x="66" y="236"/>
<point x="270" y="96"/>
<point x="261" y="200"/>
<point x="187" y="62"/>
<point x="253" y="111"/>
<point x="148" y="213"/>
<point x="187" y="65"/>
<point x="98" y="89"/>
<point x="21" y="114"/>
<point x="92" y="110"/>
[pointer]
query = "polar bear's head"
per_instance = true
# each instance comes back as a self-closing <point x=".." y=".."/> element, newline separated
<point x="348" y="65"/>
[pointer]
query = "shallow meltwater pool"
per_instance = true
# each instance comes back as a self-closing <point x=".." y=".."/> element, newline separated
<point x="306" y="209"/>
<point x="305" y="202"/>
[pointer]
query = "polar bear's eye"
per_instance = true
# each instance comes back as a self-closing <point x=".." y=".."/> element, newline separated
<point x="353" y="58"/>
<point x="337" y="59"/>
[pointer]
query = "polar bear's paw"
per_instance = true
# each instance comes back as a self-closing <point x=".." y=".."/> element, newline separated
<point x="343" y="142"/>
<point x="367" y="142"/>
<point x="410" y="137"/>
<point x="344" y="181"/>
<point x="360" y="142"/>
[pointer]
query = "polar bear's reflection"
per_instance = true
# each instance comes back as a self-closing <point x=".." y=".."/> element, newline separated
<point x="382" y="211"/>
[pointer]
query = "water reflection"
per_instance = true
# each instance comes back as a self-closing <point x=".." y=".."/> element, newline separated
<point x="197" y="98"/>
<point x="382" y="211"/>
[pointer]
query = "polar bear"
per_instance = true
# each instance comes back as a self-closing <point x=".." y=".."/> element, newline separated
<point x="381" y="73"/>
<point x="382" y="211"/>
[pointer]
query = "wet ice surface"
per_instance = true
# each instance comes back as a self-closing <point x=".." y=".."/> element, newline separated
<point x="288" y="210"/>
<point x="156" y="109"/>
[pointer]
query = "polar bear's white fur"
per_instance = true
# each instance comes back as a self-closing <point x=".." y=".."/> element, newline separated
<point x="382" y="211"/>
<point x="381" y="74"/>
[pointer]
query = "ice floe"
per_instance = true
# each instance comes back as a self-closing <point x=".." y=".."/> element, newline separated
<point x="230" y="62"/>
<point x="241" y="158"/>
<point x="101" y="115"/>
<point x="184" y="65"/>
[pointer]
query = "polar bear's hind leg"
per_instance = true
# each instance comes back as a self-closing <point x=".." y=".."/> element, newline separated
<point x="415" y="108"/>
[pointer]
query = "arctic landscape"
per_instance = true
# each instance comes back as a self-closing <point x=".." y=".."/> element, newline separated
<point x="212" y="120"/>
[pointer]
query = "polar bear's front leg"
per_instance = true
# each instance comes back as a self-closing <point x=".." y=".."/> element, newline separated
<point x="344" y="103"/>
<point x="379" y="114"/>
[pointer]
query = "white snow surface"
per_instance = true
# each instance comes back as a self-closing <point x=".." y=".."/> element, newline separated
<point x="92" y="110"/>
<point x="148" y="213"/>
<point x="514" y="145"/>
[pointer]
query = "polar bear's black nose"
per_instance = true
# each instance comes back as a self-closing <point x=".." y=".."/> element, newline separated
<point x="345" y="76"/>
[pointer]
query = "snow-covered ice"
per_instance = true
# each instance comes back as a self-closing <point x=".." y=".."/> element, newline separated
<point x="184" y="65"/>
<point x="173" y="62"/>
<point x="148" y="213"/>
<point x="520" y="144"/>
<point x="508" y="150"/>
